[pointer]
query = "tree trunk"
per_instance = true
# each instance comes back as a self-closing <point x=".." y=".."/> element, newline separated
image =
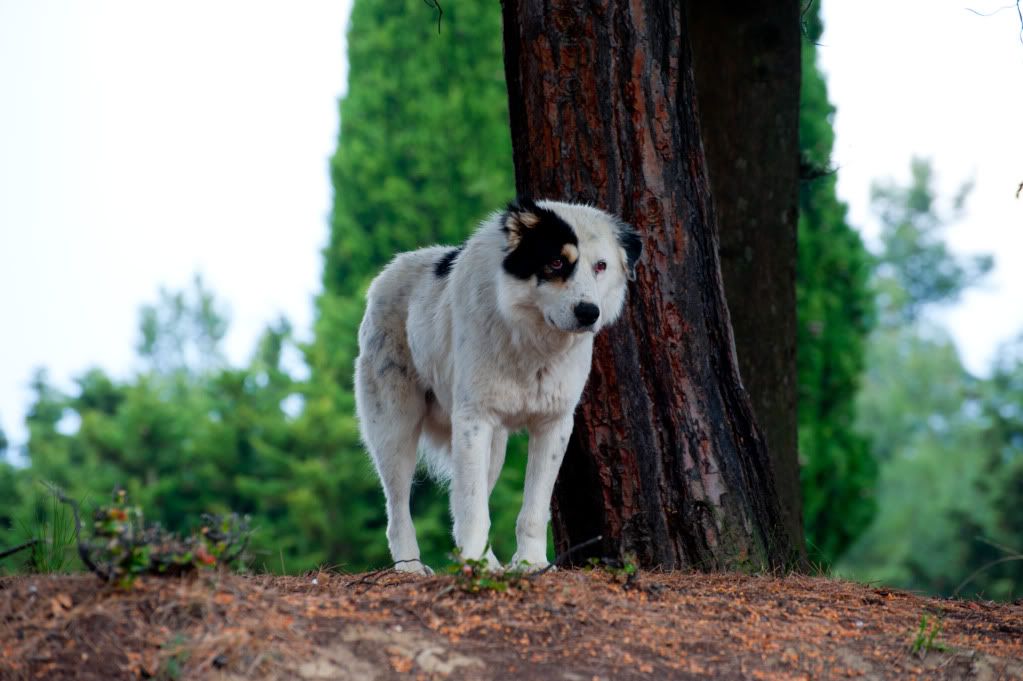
<point x="666" y="461"/>
<point x="747" y="70"/>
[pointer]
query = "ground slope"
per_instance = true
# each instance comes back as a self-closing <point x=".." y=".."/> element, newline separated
<point x="565" y="625"/>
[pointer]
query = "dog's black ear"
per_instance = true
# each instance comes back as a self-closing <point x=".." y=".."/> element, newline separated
<point x="632" y="248"/>
<point x="522" y="214"/>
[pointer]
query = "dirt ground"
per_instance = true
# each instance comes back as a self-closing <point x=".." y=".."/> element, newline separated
<point x="567" y="625"/>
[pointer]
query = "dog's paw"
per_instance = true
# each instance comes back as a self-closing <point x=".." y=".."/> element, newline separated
<point x="528" y="566"/>
<point x="414" y="567"/>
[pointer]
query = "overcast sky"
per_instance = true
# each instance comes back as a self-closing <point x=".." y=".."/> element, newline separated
<point x="144" y="141"/>
<point x="932" y="79"/>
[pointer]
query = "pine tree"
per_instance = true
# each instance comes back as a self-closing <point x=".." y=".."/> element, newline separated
<point x="423" y="155"/>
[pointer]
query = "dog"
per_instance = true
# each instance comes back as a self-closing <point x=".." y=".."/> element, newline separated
<point x="459" y="346"/>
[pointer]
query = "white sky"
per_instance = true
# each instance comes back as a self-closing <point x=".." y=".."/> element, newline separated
<point x="930" y="78"/>
<point x="143" y="141"/>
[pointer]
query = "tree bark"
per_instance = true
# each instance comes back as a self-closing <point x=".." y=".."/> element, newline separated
<point x="666" y="461"/>
<point x="746" y="63"/>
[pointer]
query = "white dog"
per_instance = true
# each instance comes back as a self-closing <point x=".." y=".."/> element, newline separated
<point x="460" y="346"/>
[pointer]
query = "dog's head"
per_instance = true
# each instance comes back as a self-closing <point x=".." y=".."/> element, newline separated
<point x="567" y="264"/>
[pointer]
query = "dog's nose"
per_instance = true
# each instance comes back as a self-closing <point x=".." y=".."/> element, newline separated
<point x="586" y="313"/>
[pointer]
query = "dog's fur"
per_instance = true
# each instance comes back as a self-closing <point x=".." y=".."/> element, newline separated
<point x="460" y="346"/>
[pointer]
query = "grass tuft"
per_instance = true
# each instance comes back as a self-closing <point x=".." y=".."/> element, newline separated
<point x="50" y="540"/>
<point x="926" y="636"/>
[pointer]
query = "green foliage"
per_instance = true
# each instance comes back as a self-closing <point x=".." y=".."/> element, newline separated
<point x="10" y="497"/>
<point x="835" y="315"/>
<point x="475" y="576"/>
<point x="948" y="443"/>
<point x="623" y="570"/>
<point x="997" y="548"/>
<point x="424" y="150"/>
<point x="182" y="437"/>
<point x="123" y="546"/>
<point x="916" y="410"/>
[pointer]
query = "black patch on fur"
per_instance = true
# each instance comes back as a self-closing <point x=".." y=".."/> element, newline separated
<point x="391" y="365"/>
<point x="631" y="243"/>
<point x="539" y="244"/>
<point x="447" y="261"/>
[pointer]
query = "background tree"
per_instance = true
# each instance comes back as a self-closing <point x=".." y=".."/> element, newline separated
<point x="915" y="267"/>
<point x="835" y="306"/>
<point x="423" y="155"/>
<point x="666" y="461"/>
<point x="746" y="59"/>
<point x="943" y="439"/>
<point x="186" y="435"/>
<point x="998" y="552"/>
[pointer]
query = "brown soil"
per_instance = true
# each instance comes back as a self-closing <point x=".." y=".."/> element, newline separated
<point x="568" y="625"/>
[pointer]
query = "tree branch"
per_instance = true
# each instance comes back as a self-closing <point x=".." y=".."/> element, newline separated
<point x="1019" y="13"/>
<point x="435" y="4"/>
<point x="15" y="549"/>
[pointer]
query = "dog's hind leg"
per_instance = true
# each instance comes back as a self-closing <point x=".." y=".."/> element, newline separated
<point x="391" y="410"/>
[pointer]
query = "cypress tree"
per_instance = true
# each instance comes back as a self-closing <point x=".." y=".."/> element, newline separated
<point x="834" y="310"/>
<point x="424" y="153"/>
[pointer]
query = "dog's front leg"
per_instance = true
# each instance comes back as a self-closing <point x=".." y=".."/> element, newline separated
<point x="547" y="445"/>
<point x="471" y="437"/>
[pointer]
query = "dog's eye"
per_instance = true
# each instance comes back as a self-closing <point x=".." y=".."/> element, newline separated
<point x="600" y="266"/>
<point x="555" y="264"/>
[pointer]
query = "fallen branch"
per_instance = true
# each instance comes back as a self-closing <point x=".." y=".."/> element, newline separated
<point x="1013" y="556"/>
<point x="563" y="556"/>
<point x="368" y="578"/>
<point x="15" y="549"/>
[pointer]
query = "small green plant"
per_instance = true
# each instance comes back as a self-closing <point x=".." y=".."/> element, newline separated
<point x="123" y="546"/>
<point x="925" y="638"/>
<point x="178" y="654"/>
<point x="623" y="570"/>
<point x="475" y="575"/>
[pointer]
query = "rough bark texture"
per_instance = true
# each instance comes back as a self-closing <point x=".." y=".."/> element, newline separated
<point x="747" y="70"/>
<point x="666" y="461"/>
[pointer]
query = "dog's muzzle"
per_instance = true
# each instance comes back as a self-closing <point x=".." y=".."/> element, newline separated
<point x="587" y="314"/>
